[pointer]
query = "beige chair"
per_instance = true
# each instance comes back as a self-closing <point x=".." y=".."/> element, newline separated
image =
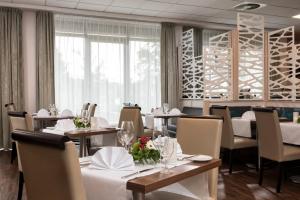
<point x="85" y="106"/>
<point x="10" y="107"/>
<point x="270" y="143"/>
<point x="201" y="136"/>
<point x="19" y="122"/>
<point x="91" y="111"/>
<point x="133" y="114"/>
<point x="197" y="135"/>
<point x="50" y="166"/>
<point x="229" y="140"/>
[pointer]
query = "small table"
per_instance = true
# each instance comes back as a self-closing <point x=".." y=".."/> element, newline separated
<point x="142" y="185"/>
<point x="83" y="133"/>
<point x="42" y="120"/>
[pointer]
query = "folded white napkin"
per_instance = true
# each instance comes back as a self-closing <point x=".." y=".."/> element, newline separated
<point x="158" y="111"/>
<point x="66" y="113"/>
<point x="99" y="122"/>
<point x="175" y="111"/>
<point x="149" y="121"/>
<point x="250" y="115"/>
<point x="114" y="158"/>
<point x="43" y="113"/>
<point x="65" y="125"/>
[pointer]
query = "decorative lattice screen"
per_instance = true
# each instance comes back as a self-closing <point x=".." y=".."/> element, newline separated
<point x="217" y="60"/>
<point x="281" y="64"/>
<point x="297" y="70"/>
<point x="251" y="51"/>
<point x="192" y="69"/>
<point x="217" y="67"/>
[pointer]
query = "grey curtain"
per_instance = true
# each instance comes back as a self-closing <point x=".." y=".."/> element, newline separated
<point x="169" y="66"/>
<point x="11" y="76"/>
<point x="45" y="58"/>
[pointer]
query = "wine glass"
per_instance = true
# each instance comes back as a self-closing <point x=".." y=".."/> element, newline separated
<point x="165" y="108"/>
<point x="127" y="131"/>
<point x="166" y="153"/>
<point x="120" y="138"/>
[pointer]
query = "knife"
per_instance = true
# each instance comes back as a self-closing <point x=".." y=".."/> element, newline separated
<point x="137" y="172"/>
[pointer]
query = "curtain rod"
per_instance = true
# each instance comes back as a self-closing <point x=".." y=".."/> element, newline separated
<point x="119" y="16"/>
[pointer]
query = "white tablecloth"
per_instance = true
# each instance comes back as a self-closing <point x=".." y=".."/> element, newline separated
<point x="290" y="133"/>
<point x="241" y="127"/>
<point x="108" y="184"/>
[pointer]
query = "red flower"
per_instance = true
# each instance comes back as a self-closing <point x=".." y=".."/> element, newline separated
<point x="143" y="140"/>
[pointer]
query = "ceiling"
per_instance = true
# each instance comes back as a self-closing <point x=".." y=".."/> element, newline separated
<point x="277" y="13"/>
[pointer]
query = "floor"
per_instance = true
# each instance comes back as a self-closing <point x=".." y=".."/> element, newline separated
<point x="241" y="185"/>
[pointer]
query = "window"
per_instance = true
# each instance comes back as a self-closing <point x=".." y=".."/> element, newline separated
<point x="106" y="62"/>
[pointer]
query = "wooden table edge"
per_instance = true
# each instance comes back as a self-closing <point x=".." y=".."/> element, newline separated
<point x="74" y="134"/>
<point x="136" y="187"/>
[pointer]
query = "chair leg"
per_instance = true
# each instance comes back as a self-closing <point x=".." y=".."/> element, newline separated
<point x="13" y="152"/>
<point x="280" y="170"/>
<point x="230" y="160"/>
<point x="21" y="183"/>
<point x="261" y="171"/>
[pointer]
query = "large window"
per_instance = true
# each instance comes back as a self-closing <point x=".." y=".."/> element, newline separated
<point x="106" y="62"/>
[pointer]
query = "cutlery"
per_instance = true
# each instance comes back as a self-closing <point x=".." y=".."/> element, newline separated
<point x="137" y="172"/>
<point x="185" y="157"/>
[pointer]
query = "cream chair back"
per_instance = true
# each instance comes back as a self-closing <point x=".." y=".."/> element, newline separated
<point x="270" y="141"/>
<point x="201" y="136"/>
<point x="133" y="114"/>
<point x="50" y="167"/>
<point x="227" y="130"/>
<point x="91" y="110"/>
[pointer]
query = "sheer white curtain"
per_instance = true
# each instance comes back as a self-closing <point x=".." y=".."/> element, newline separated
<point x="106" y="62"/>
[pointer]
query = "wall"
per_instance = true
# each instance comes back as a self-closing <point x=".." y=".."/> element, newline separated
<point x="29" y="60"/>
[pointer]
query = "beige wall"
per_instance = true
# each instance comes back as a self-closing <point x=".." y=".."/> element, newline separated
<point x="29" y="60"/>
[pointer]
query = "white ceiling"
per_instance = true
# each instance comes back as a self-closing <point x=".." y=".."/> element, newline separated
<point x="277" y="13"/>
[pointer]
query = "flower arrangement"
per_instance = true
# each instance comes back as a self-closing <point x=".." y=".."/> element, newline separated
<point x="81" y="122"/>
<point x="144" y="151"/>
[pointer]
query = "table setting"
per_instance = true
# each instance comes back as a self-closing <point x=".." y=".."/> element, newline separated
<point x="112" y="167"/>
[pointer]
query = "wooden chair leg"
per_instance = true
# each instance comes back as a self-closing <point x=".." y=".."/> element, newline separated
<point x="280" y="170"/>
<point x="230" y="160"/>
<point x="13" y="152"/>
<point x="261" y="171"/>
<point x="21" y="183"/>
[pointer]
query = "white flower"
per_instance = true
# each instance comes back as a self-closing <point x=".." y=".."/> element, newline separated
<point x="150" y="145"/>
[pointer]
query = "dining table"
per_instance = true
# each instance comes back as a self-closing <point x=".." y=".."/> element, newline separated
<point x="44" y="121"/>
<point x="187" y="178"/>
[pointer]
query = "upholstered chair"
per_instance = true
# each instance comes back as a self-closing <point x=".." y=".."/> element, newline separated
<point x="229" y="140"/>
<point x="19" y="121"/>
<point x="133" y="114"/>
<point x="202" y="135"/>
<point x="91" y="111"/>
<point x="50" y="166"/>
<point x="270" y="143"/>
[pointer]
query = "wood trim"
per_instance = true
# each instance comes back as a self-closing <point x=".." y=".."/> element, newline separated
<point x="85" y="133"/>
<point x="235" y="65"/>
<point x="158" y="180"/>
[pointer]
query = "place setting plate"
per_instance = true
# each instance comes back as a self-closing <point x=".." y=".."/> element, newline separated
<point x="200" y="158"/>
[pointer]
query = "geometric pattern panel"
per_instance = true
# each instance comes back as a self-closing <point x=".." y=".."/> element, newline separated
<point x="192" y="69"/>
<point x="251" y="60"/>
<point x="297" y="70"/>
<point x="251" y="74"/>
<point x="281" y="64"/>
<point x="251" y="31"/>
<point x="222" y="40"/>
<point x="217" y="73"/>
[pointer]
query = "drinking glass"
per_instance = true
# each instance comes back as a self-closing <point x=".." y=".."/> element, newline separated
<point x="166" y="153"/>
<point x="127" y="131"/>
<point x="120" y="138"/>
<point x="165" y="108"/>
